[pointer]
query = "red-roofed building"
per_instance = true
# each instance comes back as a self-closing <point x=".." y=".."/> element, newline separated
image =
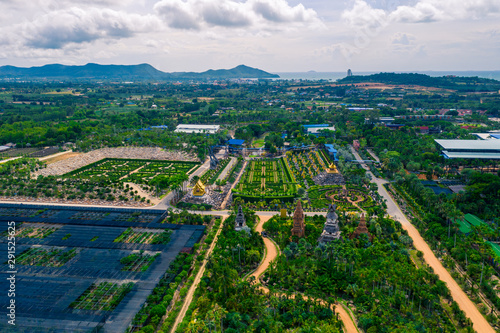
<point x="424" y="129"/>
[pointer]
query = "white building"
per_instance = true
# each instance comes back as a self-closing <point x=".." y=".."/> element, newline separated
<point x="189" y="128"/>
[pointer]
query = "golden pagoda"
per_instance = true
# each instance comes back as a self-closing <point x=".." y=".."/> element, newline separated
<point x="332" y="169"/>
<point x="199" y="189"/>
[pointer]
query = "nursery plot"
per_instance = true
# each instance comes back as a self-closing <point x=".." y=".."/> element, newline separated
<point x="266" y="179"/>
<point x="74" y="278"/>
<point x="54" y="257"/>
<point x="135" y="171"/>
<point x="138" y="262"/>
<point x="35" y="230"/>
<point x="104" y="296"/>
<point x="89" y="216"/>
<point x="135" y="217"/>
<point x="140" y="236"/>
<point x="20" y="212"/>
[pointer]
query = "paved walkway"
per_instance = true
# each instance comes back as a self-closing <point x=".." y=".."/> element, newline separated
<point x="10" y="159"/>
<point x="224" y="203"/>
<point x="373" y="154"/>
<point x="228" y="168"/>
<point x="480" y="324"/>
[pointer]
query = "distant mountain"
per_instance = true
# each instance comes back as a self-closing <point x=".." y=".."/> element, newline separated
<point x="239" y="72"/>
<point x="142" y="72"/>
<point x="458" y="83"/>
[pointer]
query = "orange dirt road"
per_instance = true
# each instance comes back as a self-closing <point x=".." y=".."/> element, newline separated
<point x="478" y="321"/>
<point x="272" y="253"/>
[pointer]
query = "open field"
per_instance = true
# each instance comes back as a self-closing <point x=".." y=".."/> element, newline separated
<point x="61" y="157"/>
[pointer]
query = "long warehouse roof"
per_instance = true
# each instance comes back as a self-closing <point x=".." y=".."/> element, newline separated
<point x="469" y="144"/>
<point x="465" y="155"/>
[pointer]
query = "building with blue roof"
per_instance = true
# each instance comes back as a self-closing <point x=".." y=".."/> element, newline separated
<point x="331" y="151"/>
<point x="235" y="145"/>
<point x="236" y="142"/>
<point x="315" y="125"/>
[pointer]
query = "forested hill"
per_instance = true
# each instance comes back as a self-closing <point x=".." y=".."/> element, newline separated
<point x="445" y="82"/>
<point x="142" y="72"/>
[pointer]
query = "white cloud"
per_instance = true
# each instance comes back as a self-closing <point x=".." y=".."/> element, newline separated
<point x="402" y="38"/>
<point x="197" y="14"/>
<point x="281" y="11"/>
<point x="177" y="14"/>
<point x="75" y="25"/>
<point x="363" y="14"/>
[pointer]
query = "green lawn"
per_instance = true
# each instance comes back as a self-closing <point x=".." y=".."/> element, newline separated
<point x="259" y="143"/>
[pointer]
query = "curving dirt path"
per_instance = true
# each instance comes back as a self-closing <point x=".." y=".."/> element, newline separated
<point x="272" y="252"/>
<point x="479" y="323"/>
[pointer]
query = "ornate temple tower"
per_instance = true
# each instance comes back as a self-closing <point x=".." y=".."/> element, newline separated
<point x="331" y="230"/>
<point x="361" y="229"/>
<point x="240" y="220"/>
<point x="299" y="228"/>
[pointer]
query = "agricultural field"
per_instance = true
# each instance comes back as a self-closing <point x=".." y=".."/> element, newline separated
<point x="54" y="257"/>
<point x="144" y="237"/>
<point x="104" y="296"/>
<point x="17" y="152"/>
<point x="306" y="165"/>
<point x="268" y="180"/>
<point x="128" y="170"/>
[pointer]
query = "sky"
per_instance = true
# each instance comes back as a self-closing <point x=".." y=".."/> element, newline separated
<point x="273" y="35"/>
